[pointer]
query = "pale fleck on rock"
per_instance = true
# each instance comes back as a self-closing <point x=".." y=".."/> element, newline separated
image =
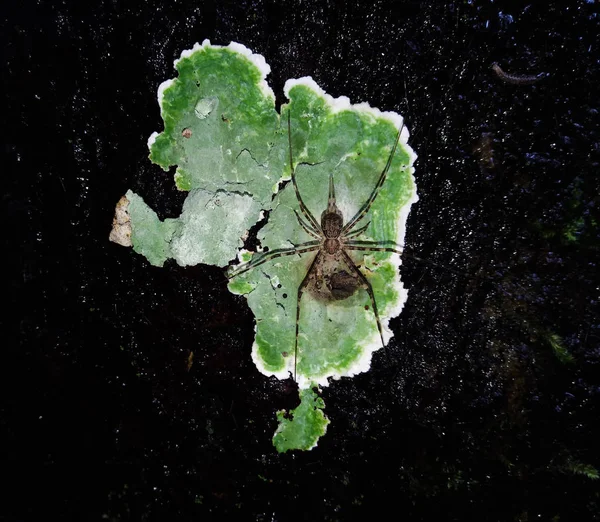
<point x="190" y="361"/>
<point x="121" y="227"/>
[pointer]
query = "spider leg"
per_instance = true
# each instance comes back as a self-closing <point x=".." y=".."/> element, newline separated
<point x="365" y="208"/>
<point x="368" y="288"/>
<point x="300" y="292"/>
<point x="307" y="228"/>
<point x="375" y="246"/>
<point x="272" y="254"/>
<point x="357" y="232"/>
<point x="309" y="217"/>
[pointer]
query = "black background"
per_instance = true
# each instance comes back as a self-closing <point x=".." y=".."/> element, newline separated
<point x="472" y="417"/>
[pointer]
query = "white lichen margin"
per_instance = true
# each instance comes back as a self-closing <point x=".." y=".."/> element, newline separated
<point x="257" y="59"/>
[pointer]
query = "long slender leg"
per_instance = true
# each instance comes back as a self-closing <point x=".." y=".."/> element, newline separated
<point x="300" y="291"/>
<point x="374" y="246"/>
<point x="357" y="232"/>
<point x="311" y="219"/>
<point x="369" y="290"/>
<point x="273" y="254"/>
<point x="307" y="228"/>
<point x="365" y="208"/>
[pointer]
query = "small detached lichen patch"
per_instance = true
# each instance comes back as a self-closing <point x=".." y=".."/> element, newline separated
<point x="303" y="426"/>
<point x="231" y="149"/>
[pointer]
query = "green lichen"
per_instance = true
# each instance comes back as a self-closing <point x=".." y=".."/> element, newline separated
<point x="210" y="226"/>
<point x="220" y="124"/>
<point x="193" y="237"/>
<point x="231" y="149"/>
<point x="334" y="338"/>
<point x="150" y="236"/>
<point x="303" y="426"/>
<point x="222" y="132"/>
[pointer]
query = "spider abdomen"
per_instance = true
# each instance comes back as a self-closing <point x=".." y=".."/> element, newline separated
<point x="342" y="284"/>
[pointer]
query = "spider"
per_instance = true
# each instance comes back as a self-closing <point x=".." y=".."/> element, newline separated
<point x="332" y="274"/>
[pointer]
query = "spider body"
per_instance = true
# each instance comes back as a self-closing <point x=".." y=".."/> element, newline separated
<point x="332" y="274"/>
<point x="329" y="279"/>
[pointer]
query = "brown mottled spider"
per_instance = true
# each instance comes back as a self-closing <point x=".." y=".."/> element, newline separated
<point x="326" y="278"/>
